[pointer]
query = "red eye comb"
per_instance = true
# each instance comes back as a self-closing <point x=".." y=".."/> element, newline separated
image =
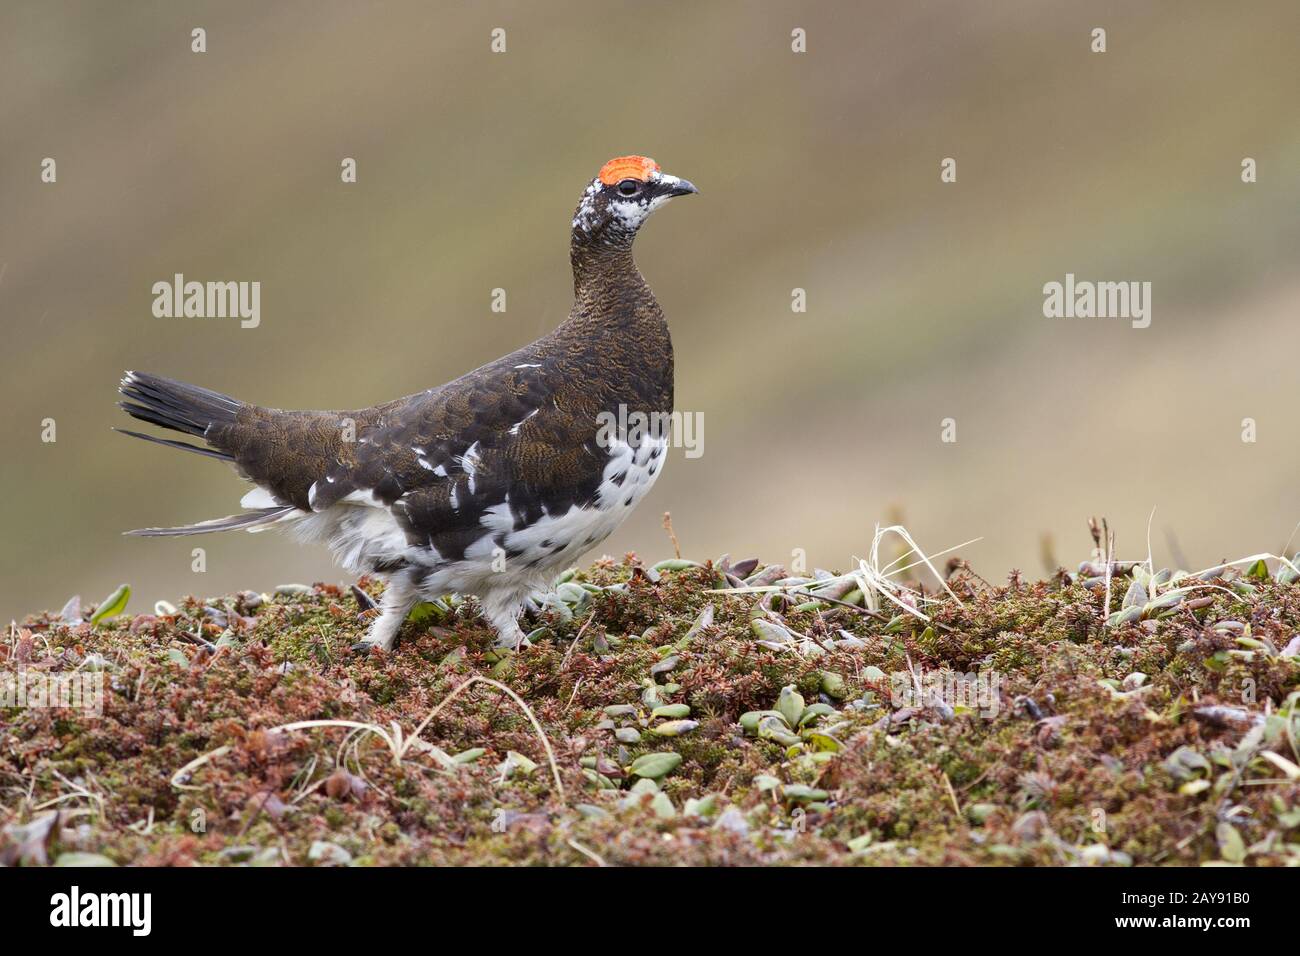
<point x="628" y="167"/>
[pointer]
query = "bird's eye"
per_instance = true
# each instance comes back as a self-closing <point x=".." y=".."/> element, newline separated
<point x="629" y="187"/>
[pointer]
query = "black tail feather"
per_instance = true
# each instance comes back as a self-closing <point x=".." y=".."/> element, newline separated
<point x="184" y="446"/>
<point x="249" y="520"/>
<point x="193" y="411"/>
<point x="176" y="405"/>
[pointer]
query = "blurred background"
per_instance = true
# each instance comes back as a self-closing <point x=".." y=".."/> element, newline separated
<point x="818" y="171"/>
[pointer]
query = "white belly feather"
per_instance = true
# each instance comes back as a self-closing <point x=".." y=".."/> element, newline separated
<point x="360" y="530"/>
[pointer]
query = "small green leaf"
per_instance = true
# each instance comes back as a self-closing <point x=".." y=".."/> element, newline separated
<point x="1126" y="616"/>
<point x="644" y="786"/>
<point x="823" y="742"/>
<point x="571" y="593"/>
<point x="672" y="711"/>
<point x="665" y="665"/>
<point x="832" y="685"/>
<point x="598" y="780"/>
<point x="113" y="605"/>
<point x="790" y="705"/>
<point x="655" y="765"/>
<point x="750" y="720"/>
<point x="1135" y="596"/>
<point x="1231" y="846"/>
<point x="774" y="728"/>
<point x="703" y="619"/>
<point x="426" y="612"/>
<point x="662" y="806"/>
<point x="704" y="807"/>
<point x="676" y="564"/>
<point x="1171" y="598"/>
<point x="674" y="728"/>
<point x="801" y="793"/>
<point x="1185" y="763"/>
<point x="769" y="631"/>
<point x="515" y="762"/>
<point x="813" y="711"/>
<point x="83" y="859"/>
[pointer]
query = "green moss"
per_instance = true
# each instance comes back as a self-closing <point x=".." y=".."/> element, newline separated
<point x="1060" y="763"/>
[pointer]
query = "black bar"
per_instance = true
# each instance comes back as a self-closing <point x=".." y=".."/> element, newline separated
<point x="334" y="905"/>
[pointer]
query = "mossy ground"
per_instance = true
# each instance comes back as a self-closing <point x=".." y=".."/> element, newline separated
<point x="1164" y="741"/>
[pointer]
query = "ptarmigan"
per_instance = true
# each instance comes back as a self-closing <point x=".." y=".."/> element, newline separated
<point x="487" y="485"/>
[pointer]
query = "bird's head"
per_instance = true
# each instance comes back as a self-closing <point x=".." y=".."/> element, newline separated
<point x="622" y="196"/>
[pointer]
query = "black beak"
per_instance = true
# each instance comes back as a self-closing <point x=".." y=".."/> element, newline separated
<point x="683" y="187"/>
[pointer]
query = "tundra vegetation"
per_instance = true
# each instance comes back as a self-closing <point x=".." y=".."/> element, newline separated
<point x="908" y="712"/>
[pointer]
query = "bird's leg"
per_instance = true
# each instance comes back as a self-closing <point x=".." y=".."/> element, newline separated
<point x="510" y="635"/>
<point x="538" y="597"/>
<point x="399" y="597"/>
<point x="502" y="611"/>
